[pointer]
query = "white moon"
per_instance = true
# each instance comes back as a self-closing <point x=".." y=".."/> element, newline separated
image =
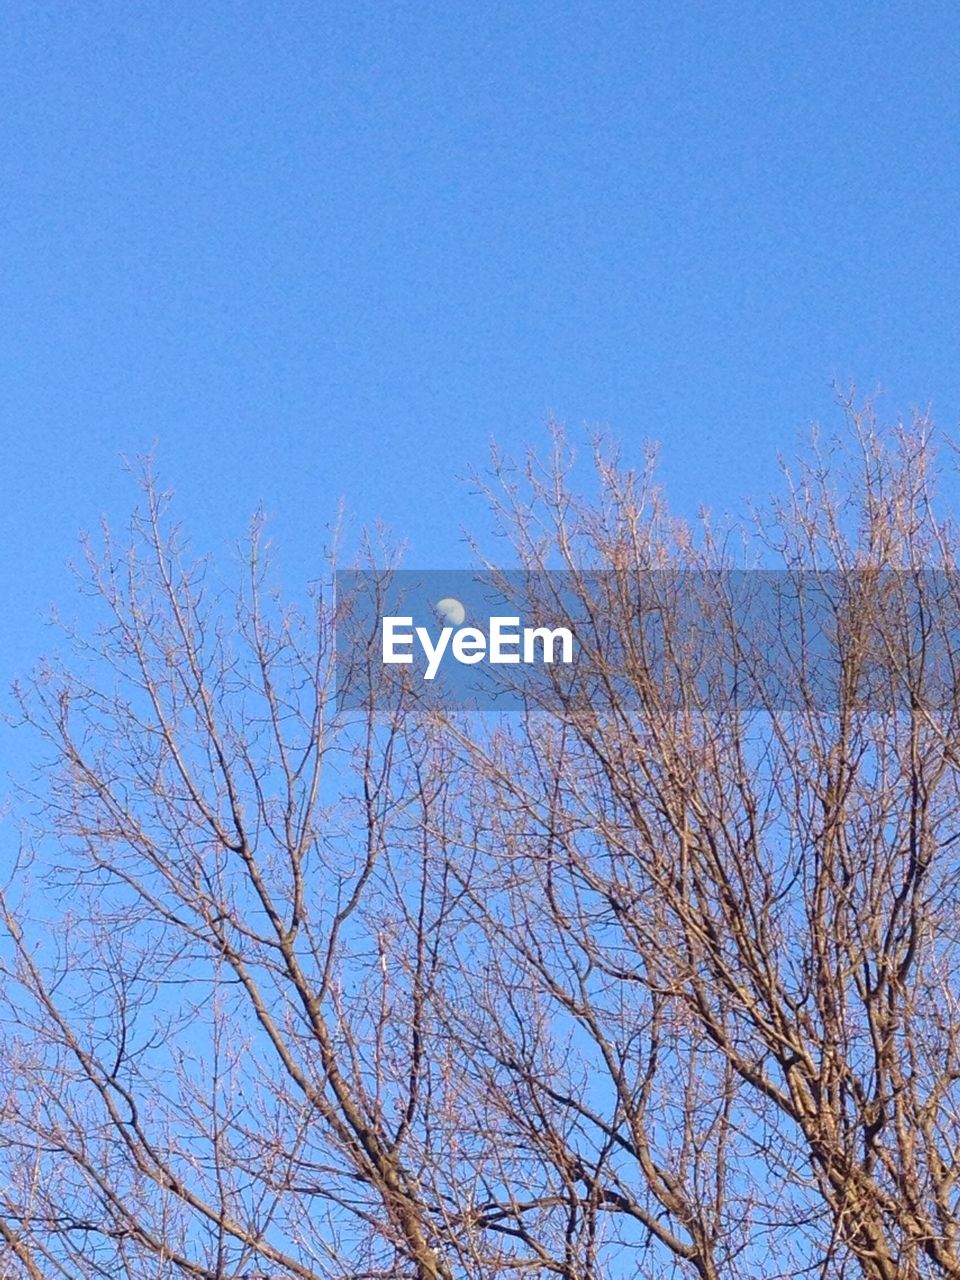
<point x="451" y="610"/>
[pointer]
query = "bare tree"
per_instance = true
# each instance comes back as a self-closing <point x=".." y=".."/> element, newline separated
<point x="656" y="977"/>
<point x="722" y="879"/>
<point x="217" y="980"/>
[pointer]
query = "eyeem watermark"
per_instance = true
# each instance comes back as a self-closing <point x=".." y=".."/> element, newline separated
<point x="709" y="642"/>
<point x="463" y="638"/>
<point x="503" y="643"/>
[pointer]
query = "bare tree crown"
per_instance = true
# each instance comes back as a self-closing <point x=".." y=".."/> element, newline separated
<point x="654" y="979"/>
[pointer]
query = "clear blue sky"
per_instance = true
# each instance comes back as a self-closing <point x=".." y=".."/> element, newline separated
<point x="327" y="249"/>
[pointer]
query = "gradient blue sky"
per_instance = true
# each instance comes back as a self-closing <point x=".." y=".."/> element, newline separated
<point x="323" y="250"/>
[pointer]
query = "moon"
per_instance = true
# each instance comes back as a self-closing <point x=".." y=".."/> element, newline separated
<point x="451" y="610"/>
